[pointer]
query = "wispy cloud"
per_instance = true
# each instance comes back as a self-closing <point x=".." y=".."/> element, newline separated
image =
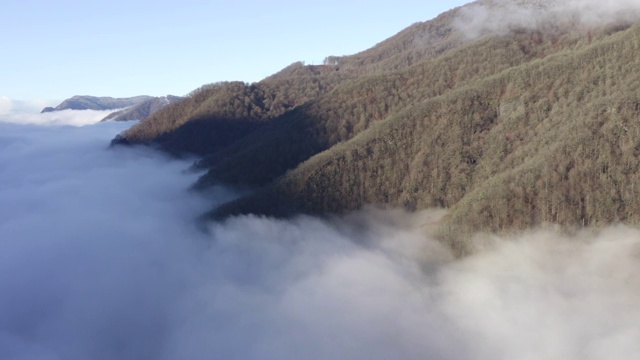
<point x="498" y="17"/>
<point x="6" y="104"/>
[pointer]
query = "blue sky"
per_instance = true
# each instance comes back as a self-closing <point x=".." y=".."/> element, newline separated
<point x="57" y="49"/>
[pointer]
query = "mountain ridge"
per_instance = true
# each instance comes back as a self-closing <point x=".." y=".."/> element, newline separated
<point x="143" y="109"/>
<point x="87" y="102"/>
<point x="125" y="109"/>
<point x="509" y="130"/>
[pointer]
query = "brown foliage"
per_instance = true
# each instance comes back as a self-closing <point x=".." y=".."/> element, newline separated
<point x="549" y="141"/>
<point x="508" y="132"/>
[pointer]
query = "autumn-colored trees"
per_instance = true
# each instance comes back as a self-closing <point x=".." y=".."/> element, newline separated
<point x="507" y="131"/>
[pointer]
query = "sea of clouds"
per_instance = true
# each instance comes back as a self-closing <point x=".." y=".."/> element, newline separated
<point x="101" y="258"/>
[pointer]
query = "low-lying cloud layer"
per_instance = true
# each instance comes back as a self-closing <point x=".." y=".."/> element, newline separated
<point x="100" y="259"/>
<point x="500" y="16"/>
<point x="22" y="112"/>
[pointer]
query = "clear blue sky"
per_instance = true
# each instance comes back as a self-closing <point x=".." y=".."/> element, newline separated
<point x="57" y="49"/>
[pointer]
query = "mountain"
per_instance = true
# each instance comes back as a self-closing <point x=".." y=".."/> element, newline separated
<point x="133" y="108"/>
<point x="511" y="114"/>
<point x="85" y="102"/>
<point x="143" y="109"/>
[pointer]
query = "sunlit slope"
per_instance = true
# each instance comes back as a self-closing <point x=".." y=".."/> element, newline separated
<point x="508" y="127"/>
<point x="552" y="140"/>
<point x="356" y="105"/>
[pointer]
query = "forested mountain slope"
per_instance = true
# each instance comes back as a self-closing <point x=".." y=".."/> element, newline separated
<point x="551" y="141"/>
<point x="217" y="115"/>
<point x="508" y="127"/>
<point x="238" y="109"/>
<point x="356" y="105"/>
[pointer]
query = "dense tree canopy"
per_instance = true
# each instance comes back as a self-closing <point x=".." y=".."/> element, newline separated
<point x="508" y="131"/>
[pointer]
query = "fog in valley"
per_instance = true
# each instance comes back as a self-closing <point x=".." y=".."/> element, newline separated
<point x="101" y="258"/>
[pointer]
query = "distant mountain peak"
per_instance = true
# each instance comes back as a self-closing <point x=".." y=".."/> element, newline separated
<point x="86" y="102"/>
<point x="125" y="109"/>
<point x="143" y="109"/>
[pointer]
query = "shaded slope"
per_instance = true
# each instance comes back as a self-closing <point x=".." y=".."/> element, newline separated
<point x="218" y="115"/>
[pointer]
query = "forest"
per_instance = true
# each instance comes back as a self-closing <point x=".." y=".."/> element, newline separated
<point x="507" y="131"/>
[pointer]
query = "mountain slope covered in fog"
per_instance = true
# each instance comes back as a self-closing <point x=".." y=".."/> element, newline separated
<point x="85" y="102"/>
<point x="142" y="110"/>
<point x="508" y="123"/>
